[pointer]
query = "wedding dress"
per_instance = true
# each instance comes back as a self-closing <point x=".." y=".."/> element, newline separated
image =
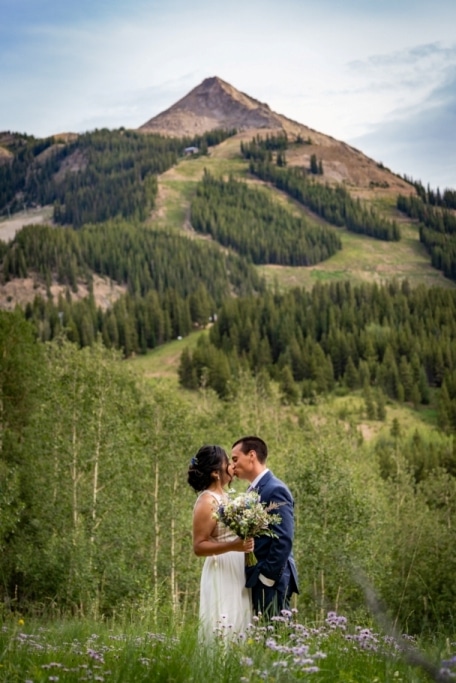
<point x="225" y="602"/>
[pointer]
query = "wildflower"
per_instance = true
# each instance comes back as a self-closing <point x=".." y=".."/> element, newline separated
<point x="247" y="661"/>
<point x="450" y="662"/>
<point x="21" y="622"/>
<point x="97" y="656"/>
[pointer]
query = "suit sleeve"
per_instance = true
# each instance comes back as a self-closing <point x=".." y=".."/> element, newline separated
<point x="280" y="547"/>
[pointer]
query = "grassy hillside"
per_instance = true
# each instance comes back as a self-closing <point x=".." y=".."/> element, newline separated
<point x="163" y="361"/>
<point x="361" y="259"/>
<point x="161" y="364"/>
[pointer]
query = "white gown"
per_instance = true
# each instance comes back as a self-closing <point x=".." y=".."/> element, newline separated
<point x="225" y="602"/>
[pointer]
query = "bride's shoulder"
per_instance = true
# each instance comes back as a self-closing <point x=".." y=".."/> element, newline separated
<point x="206" y="501"/>
<point x="206" y="496"/>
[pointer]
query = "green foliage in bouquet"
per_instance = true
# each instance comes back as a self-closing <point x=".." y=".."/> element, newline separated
<point x="248" y="517"/>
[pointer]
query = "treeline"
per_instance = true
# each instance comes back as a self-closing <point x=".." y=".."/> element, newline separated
<point x="445" y="199"/>
<point x="334" y="205"/>
<point x="399" y="340"/>
<point x="142" y="259"/>
<point x="250" y="222"/>
<point x="173" y="282"/>
<point x="132" y="324"/>
<point x="100" y="175"/>
<point x="13" y="172"/>
<point x="437" y="231"/>
<point x="260" y="149"/>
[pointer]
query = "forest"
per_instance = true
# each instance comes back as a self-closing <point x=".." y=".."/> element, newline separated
<point x="248" y="221"/>
<point x="437" y="229"/>
<point x="396" y="341"/>
<point x="97" y="510"/>
<point x="115" y="173"/>
<point x="334" y="204"/>
<point x="351" y="384"/>
<point x="172" y="283"/>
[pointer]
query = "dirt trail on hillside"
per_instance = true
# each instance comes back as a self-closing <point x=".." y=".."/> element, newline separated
<point x="11" y="226"/>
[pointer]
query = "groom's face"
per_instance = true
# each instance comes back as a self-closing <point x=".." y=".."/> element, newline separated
<point x="243" y="463"/>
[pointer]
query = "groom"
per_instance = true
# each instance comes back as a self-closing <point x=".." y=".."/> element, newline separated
<point x="274" y="578"/>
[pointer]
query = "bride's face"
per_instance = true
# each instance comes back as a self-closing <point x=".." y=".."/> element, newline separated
<point x="227" y="473"/>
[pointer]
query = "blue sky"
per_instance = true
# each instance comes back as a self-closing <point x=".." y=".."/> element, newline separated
<point x="378" y="74"/>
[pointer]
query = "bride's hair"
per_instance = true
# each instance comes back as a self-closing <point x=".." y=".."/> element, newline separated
<point x="209" y="459"/>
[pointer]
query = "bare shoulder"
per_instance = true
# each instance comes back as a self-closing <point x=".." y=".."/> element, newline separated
<point x="206" y="501"/>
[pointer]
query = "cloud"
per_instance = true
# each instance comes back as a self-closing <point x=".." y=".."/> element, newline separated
<point x="429" y="51"/>
<point x="413" y="72"/>
<point x="419" y="142"/>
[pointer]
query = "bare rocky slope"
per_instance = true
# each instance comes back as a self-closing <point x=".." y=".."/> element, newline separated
<point x="216" y="104"/>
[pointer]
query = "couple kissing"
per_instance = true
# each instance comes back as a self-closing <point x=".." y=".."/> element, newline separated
<point x="231" y="592"/>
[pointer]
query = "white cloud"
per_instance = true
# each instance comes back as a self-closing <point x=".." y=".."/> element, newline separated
<point x="420" y="142"/>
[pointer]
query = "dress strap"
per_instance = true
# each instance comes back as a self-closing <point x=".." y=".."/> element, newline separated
<point x="211" y="493"/>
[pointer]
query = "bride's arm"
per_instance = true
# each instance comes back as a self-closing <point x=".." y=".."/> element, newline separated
<point x="203" y="527"/>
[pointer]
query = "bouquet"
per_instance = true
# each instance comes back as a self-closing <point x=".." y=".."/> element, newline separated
<point x="248" y="518"/>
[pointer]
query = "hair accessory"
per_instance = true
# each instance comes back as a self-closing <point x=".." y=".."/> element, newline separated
<point x="194" y="462"/>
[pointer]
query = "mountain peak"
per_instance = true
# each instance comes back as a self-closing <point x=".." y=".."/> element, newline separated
<point x="213" y="104"/>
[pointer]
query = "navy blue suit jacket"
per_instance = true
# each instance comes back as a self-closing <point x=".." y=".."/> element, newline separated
<point x="274" y="555"/>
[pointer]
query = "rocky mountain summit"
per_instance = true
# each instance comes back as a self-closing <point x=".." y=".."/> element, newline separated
<point x="216" y="104"/>
<point x="213" y="104"/>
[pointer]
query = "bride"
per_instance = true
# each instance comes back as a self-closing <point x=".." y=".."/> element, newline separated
<point x="225" y="602"/>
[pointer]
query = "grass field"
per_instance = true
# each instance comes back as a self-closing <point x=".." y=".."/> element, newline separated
<point x="164" y="360"/>
<point x="332" y="650"/>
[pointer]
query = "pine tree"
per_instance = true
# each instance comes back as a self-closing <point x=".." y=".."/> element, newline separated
<point x="288" y="388"/>
<point x="351" y="376"/>
<point x="381" y="406"/>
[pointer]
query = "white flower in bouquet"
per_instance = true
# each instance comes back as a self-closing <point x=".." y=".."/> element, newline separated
<point x="248" y="517"/>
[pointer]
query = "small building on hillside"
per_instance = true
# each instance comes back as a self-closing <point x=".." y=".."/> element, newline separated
<point x="191" y="150"/>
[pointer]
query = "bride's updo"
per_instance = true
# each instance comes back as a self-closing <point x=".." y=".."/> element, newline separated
<point x="209" y="459"/>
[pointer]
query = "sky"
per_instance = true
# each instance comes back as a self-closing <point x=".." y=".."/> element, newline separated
<point x="377" y="74"/>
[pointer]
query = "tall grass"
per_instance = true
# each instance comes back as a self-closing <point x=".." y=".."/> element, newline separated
<point x="282" y="651"/>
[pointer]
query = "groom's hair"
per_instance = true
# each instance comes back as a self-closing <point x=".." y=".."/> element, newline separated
<point x="253" y="443"/>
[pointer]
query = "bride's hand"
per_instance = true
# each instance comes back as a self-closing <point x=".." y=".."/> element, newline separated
<point x="248" y="545"/>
